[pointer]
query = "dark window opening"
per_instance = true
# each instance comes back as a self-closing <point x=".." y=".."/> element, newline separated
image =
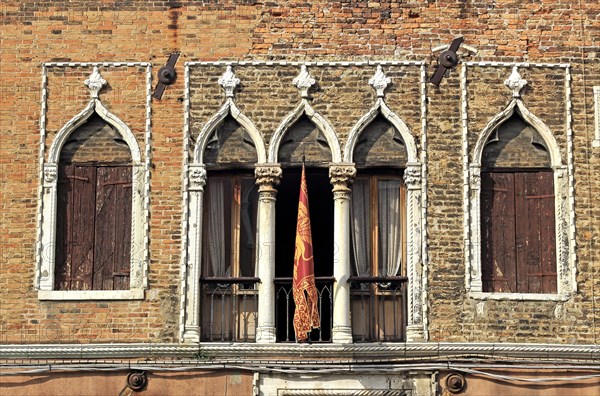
<point x="321" y="217"/>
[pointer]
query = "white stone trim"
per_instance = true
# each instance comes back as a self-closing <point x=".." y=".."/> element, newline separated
<point x="307" y="64"/>
<point x="596" y="142"/>
<point x="304" y="108"/>
<point x="45" y="252"/>
<point x="194" y="179"/>
<point x="518" y="64"/>
<point x="563" y="187"/>
<point x="424" y="236"/>
<point x="76" y="295"/>
<point x="348" y="351"/>
<point x="381" y="107"/>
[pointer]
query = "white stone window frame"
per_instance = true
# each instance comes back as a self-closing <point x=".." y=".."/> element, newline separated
<point x="563" y="189"/>
<point x="596" y="142"/>
<point x="268" y="173"/>
<point x="47" y="208"/>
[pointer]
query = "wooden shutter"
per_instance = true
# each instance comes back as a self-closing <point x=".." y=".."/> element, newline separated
<point x="498" y="232"/>
<point x="112" y="228"/>
<point x="535" y="232"/>
<point x="75" y="227"/>
<point x="518" y="232"/>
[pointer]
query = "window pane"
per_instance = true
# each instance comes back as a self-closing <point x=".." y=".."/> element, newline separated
<point x="217" y="244"/>
<point x="248" y="210"/>
<point x="389" y="227"/>
<point x="360" y="223"/>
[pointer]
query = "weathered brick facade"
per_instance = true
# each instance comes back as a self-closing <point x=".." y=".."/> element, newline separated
<point x="555" y="43"/>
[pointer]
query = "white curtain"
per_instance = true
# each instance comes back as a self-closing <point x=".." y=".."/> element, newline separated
<point x="248" y="229"/>
<point x="216" y="227"/>
<point x="360" y="227"/>
<point x="390" y="227"/>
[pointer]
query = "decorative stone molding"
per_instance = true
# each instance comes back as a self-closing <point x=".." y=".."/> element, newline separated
<point x="304" y="82"/>
<point x="44" y="279"/>
<point x="50" y="173"/>
<point x="515" y="82"/>
<point x="95" y="82"/>
<point x="267" y="176"/>
<point x="596" y="142"/>
<point x="566" y="263"/>
<point x="412" y="176"/>
<point x="379" y="82"/>
<point x="229" y="82"/>
<point x="304" y="108"/>
<point x="197" y="177"/>
<point x="341" y="176"/>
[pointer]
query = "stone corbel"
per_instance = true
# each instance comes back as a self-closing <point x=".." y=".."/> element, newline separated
<point x="412" y="176"/>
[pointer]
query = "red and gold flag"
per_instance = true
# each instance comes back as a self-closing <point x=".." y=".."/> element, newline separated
<point x="306" y="315"/>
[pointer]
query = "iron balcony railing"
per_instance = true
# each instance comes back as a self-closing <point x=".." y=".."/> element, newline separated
<point x="284" y="309"/>
<point x="378" y="306"/>
<point x="229" y="309"/>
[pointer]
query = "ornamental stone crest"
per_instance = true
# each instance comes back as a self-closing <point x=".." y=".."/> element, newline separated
<point x="95" y="82"/>
<point x="379" y="82"/>
<point x="515" y="82"/>
<point x="229" y="82"/>
<point x="303" y="81"/>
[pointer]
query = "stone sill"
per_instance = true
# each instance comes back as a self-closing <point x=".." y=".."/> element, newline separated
<point x="76" y="295"/>
<point x="519" y="296"/>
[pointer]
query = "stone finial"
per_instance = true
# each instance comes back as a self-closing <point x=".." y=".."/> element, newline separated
<point x="229" y="82"/>
<point x="95" y="82"/>
<point x="515" y="82"/>
<point x="379" y="82"/>
<point x="303" y="81"/>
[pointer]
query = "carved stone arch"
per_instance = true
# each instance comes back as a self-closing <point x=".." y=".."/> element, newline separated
<point x="229" y="109"/>
<point x="516" y="106"/>
<point x="94" y="106"/>
<point x="304" y="108"/>
<point x="380" y="108"/>
<point x="45" y="271"/>
<point x="563" y="222"/>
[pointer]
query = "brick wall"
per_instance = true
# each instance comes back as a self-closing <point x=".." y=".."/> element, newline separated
<point x="532" y="31"/>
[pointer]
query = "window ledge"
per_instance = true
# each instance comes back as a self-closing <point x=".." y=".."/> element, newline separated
<point x="74" y="295"/>
<point x="519" y="296"/>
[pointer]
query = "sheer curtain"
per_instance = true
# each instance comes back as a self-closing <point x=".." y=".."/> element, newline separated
<point x="216" y="227"/>
<point x="248" y="229"/>
<point x="390" y="227"/>
<point x="361" y="227"/>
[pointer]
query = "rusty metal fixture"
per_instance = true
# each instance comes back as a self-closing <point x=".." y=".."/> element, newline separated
<point x="167" y="75"/>
<point x="137" y="380"/>
<point x="455" y="383"/>
<point x="448" y="59"/>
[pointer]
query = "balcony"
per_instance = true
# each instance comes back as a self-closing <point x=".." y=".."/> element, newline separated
<point x="230" y="309"/>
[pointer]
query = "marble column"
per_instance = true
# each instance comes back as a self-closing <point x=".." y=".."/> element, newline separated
<point x="197" y="180"/>
<point x="342" y="176"/>
<point x="267" y="178"/>
<point x="414" y="268"/>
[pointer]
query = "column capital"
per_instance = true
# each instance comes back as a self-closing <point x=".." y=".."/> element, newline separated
<point x="412" y="175"/>
<point x="267" y="176"/>
<point x="341" y="176"/>
<point x="197" y="177"/>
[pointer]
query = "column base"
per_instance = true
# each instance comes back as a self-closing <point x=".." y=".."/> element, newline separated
<point x="342" y="335"/>
<point x="191" y="334"/>
<point x="266" y="335"/>
<point x="415" y="333"/>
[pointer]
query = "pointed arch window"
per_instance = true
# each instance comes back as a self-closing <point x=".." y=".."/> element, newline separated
<point x="520" y="228"/>
<point x="92" y="225"/>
